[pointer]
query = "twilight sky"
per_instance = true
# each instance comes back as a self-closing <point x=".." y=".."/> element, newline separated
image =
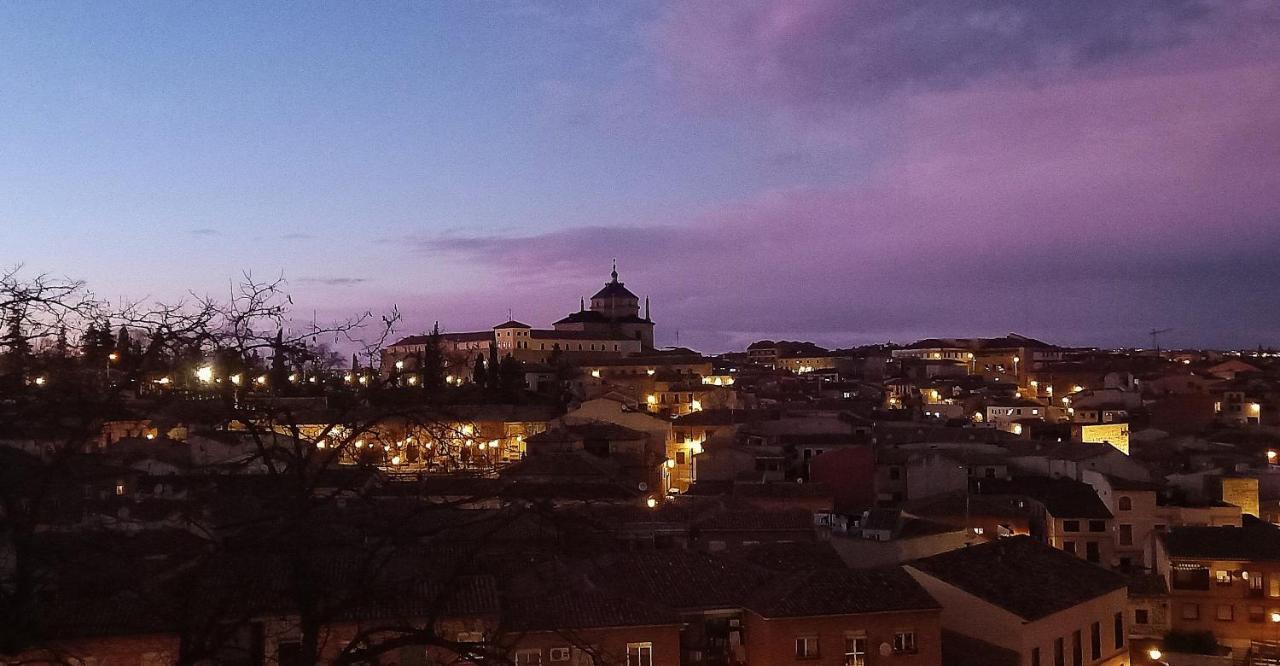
<point x="842" y="171"/>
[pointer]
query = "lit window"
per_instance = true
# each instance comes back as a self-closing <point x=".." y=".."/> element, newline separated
<point x="855" y="650"/>
<point x="639" y="654"/>
<point x="529" y="658"/>
<point x="904" y="642"/>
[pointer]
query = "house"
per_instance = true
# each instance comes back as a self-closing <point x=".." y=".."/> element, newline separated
<point x="1069" y="514"/>
<point x="1224" y="580"/>
<point x="1021" y="595"/>
<point x="849" y="617"/>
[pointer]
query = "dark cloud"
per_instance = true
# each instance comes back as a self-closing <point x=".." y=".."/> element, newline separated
<point x="841" y="51"/>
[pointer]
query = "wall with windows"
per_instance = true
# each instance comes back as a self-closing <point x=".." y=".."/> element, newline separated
<point x="623" y="646"/>
<point x="913" y="638"/>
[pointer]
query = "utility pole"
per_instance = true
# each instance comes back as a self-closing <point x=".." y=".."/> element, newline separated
<point x="1155" y="338"/>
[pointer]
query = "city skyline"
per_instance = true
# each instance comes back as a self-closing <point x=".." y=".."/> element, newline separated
<point x="1079" y="175"/>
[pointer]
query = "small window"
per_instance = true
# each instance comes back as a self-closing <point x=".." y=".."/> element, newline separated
<point x="1126" y="535"/>
<point x="639" y="654"/>
<point x="1097" y="526"/>
<point x="1095" y="640"/>
<point x="904" y="642"/>
<point x="1077" y="649"/>
<point x="558" y="654"/>
<point x="528" y="657"/>
<point x="855" y="650"/>
<point x="1226" y="613"/>
<point x="1125" y="503"/>
<point x="807" y="647"/>
<point x="1059" y="652"/>
<point x="1035" y="656"/>
<point x="1222" y="577"/>
<point x="1070" y="526"/>
<point x="1117" y="630"/>
<point x="1141" y="616"/>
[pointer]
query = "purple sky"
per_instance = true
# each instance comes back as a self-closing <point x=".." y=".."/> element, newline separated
<point x="847" y="172"/>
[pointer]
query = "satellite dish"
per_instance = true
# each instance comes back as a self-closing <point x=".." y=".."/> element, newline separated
<point x="885" y="649"/>
<point x="643" y="486"/>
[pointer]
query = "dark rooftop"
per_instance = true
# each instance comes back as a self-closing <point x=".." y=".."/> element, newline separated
<point x="841" y="592"/>
<point x="1022" y="575"/>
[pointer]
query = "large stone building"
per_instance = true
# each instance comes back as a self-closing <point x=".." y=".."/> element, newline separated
<point x="611" y="328"/>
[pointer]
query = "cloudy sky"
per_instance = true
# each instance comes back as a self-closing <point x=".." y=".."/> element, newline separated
<point x="842" y="171"/>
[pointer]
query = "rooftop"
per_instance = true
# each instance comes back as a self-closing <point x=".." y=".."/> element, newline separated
<point x="1022" y="575"/>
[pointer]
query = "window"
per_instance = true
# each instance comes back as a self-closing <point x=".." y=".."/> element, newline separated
<point x="1191" y="611"/>
<point x="1126" y="535"/>
<point x="1190" y="577"/>
<point x="528" y="657"/>
<point x="807" y="647"/>
<point x="1035" y="656"/>
<point x="558" y="654"/>
<point x="1095" y="640"/>
<point x="1097" y="526"/>
<point x="1273" y="587"/>
<point x="1117" y="629"/>
<point x="1257" y="615"/>
<point x="1059" y="653"/>
<point x="1226" y="612"/>
<point x="679" y="457"/>
<point x="1070" y="526"/>
<point x="855" y="651"/>
<point x="1125" y="503"/>
<point x="1222" y="577"/>
<point x="904" y="642"/>
<point x="1092" y="552"/>
<point x="1141" y="616"/>
<point x="1077" y="649"/>
<point x="1255" y="583"/>
<point x="639" y="654"/>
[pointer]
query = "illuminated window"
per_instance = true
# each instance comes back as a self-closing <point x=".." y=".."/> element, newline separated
<point x="855" y="650"/>
<point x="639" y="654"/>
<point x="529" y="658"/>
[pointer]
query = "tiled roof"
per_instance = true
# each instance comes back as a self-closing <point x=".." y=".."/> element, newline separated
<point x="585" y="610"/>
<point x="841" y="592"/>
<point x="511" y="323"/>
<point x="1147" y="585"/>
<point x="791" y="556"/>
<point x="614" y="289"/>
<point x="681" y="579"/>
<point x="961" y="650"/>
<point x="1063" y="498"/>
<point x="1254" y="540"/>
<point x="1022" y="575"/>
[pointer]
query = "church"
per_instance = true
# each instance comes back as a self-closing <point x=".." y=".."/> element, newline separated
<point x="611" y="327"/>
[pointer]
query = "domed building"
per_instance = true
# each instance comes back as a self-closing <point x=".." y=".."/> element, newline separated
<point x="615" y="311"/>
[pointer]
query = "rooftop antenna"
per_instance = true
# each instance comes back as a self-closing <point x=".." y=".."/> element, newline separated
<point x="1155" y="337"/>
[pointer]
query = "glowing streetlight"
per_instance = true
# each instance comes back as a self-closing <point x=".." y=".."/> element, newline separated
<point x="113" y="356"/>
<point x="651" y="502"/>
<point x="1155" y="654"/>
<point x="399" y="365"/>
<point x="39" y="381"/>
<point x="235" y="379"/>
<point x="205" y="373"/>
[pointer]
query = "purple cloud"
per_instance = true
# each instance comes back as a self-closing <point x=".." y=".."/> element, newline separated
<point x="1079" y="171"/>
